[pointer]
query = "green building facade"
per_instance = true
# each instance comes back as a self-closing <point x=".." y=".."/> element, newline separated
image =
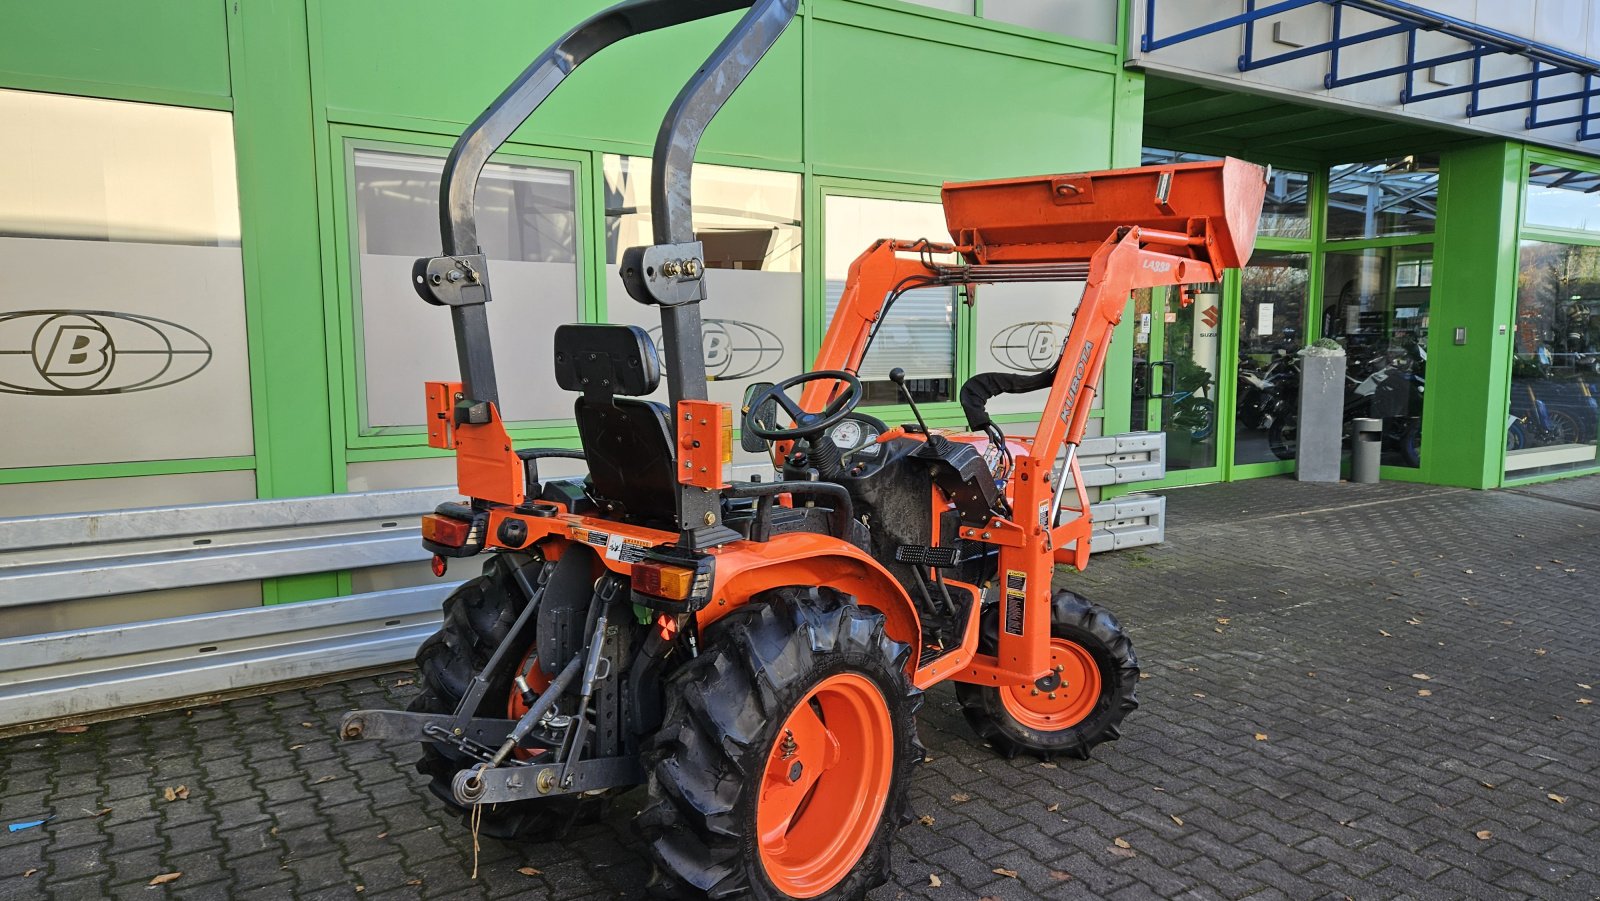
<point x="210" y="209"/>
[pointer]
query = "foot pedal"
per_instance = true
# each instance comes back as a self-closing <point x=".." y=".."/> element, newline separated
<point x="921" y="555"/>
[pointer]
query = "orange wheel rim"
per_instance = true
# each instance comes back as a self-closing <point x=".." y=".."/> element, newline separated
<point x="824" y="786"/>
<point x="1072" y="701"/>
<point x="515" y="706"/>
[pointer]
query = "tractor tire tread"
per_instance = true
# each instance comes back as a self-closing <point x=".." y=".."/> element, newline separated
<point x="721" y="710"/>
<point x="1097" y="630"/>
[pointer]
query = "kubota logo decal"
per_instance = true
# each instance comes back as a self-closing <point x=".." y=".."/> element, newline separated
<point x="1029" y="346"/>
<point x="734" y="349"/>
<point x="88" y="352"/>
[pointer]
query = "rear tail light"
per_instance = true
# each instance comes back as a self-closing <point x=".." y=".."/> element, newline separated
<point x="444" y="530"/>
<point x="663" y="581"/>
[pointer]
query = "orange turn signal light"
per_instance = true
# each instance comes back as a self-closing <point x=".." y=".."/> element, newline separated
<point x="663" y="580"/>
<point x="444" y="530"/>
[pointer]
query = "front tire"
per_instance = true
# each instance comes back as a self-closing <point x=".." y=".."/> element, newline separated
<point x="782" y="765"/>
<point x="1099" y="675"/>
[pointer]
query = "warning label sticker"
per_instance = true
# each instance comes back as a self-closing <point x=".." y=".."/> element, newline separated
<point x="1016" y="596"/>
<point x="627" y="550"/>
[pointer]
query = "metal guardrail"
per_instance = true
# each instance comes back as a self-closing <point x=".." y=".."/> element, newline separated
<point x="67" y="557"/>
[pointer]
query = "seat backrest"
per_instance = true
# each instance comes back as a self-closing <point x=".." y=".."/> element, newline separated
<point x="628" y="446"/>
<point x="627" y="443"/>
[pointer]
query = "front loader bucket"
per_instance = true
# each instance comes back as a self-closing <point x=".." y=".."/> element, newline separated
<point x="1054" y="218"/>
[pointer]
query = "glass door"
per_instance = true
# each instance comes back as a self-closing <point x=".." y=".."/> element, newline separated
<point x="1177" y="377"/>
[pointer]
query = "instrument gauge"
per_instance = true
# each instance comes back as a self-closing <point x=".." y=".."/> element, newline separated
<point x="847" y="434"/>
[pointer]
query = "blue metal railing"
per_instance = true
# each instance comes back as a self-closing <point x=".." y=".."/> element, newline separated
<point x="1408" y="19"/>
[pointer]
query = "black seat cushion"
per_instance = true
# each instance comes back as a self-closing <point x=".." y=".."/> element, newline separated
<point x="628" y="445"/>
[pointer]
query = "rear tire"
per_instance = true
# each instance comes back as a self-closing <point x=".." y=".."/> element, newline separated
<point x="1100" y="672"/>
<point x="477" y="617"/>
<point x="782" y="766"/>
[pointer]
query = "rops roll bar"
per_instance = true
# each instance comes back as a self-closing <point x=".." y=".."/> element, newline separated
<point x="459" y="278"/>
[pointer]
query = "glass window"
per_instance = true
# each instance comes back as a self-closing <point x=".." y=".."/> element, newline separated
<point x="132" y="347"/>
<point x="1383" y="326"/>
<point x="1022" y="328"/>
<point x="918" y="333"/>
<point x="1273" y="292"/>
<point x="1555" y="370"/>
<point x="1285" y="211"/>
<point x="1091" y="20"/>
<point x="1383" y="198"/>
<point x="527" y="225"/>
<point x="749" y="221"/>
<point x="1563" y="198"/>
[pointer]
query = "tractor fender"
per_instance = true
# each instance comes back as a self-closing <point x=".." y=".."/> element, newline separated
<point x="746" y="569"/>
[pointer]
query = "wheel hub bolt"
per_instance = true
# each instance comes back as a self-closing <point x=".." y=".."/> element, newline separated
<point x="1052" y="696"/>
<point x="795" y="771"/>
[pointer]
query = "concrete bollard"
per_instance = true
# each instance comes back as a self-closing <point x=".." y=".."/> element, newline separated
<point x="1321" y="419"/>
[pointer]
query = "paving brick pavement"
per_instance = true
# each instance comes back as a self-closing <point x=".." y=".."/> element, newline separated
<point x="1345" y="685"/>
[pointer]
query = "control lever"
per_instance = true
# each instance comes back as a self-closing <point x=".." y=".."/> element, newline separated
<point x="898" y="376"/>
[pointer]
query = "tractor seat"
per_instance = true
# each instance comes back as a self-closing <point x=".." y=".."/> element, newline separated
<point x="627" y="442"/>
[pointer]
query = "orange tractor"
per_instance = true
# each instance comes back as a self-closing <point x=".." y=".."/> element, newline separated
<point x="755" y="652"/>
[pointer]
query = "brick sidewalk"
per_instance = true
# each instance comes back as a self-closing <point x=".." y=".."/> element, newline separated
<point x="1314" y="629"/>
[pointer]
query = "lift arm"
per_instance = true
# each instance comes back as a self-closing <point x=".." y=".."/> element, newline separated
<point x="1117" y="231"/>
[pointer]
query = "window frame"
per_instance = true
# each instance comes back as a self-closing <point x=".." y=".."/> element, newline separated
<point x="1532" y="156"/>
<point x="938" y="413"/>
<point x="347" y="342"/>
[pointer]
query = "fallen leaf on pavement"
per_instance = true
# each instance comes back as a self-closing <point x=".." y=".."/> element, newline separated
<point x="1539" y="652"/>
<point x="413" y="882"/>
<point x="961" y="797"/>
<point x="165" y="878"/>
<point x="1586" y="700"/>
<point x="1423" y="676"/>
<point x="295" y="747"/>
<point x="1176" y="819"/>
<point x="1384" y="634"/>
<point x="400" y="682"/>
<point x="307" y="725"/>
<point x="529" y="871"/>
<point x="181" y="793"/>
<point x="1053" y="807"/>
<point x="1559" y="799"/>
<point x="1199" y="694"/>
<point x="98" y="813"/>
<point x="934" y="881"/>
<point x="1060" y="875"/>
<point x="1484" y="834"/>
<point x="1121" y="842"/>
<point x="1002" y="871"/>
<point x="383" y="835"/>
<point x="1261" y="736"/>
<point x="1585" y="685"/>
<point x="1488" y="785"/>
<point x="1413" y="621"/>
<point x="925" y="820"/>
<point x="1424" y="693"/>
<point x="29" y="872"/>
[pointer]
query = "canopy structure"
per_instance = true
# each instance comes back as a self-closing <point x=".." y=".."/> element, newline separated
<point x="1536" y="93"/>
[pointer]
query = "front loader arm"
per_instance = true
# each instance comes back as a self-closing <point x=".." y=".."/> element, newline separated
<point x="874" y="278"/>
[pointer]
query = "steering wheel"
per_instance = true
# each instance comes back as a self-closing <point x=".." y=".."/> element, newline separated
<point x="805" y="424"/>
